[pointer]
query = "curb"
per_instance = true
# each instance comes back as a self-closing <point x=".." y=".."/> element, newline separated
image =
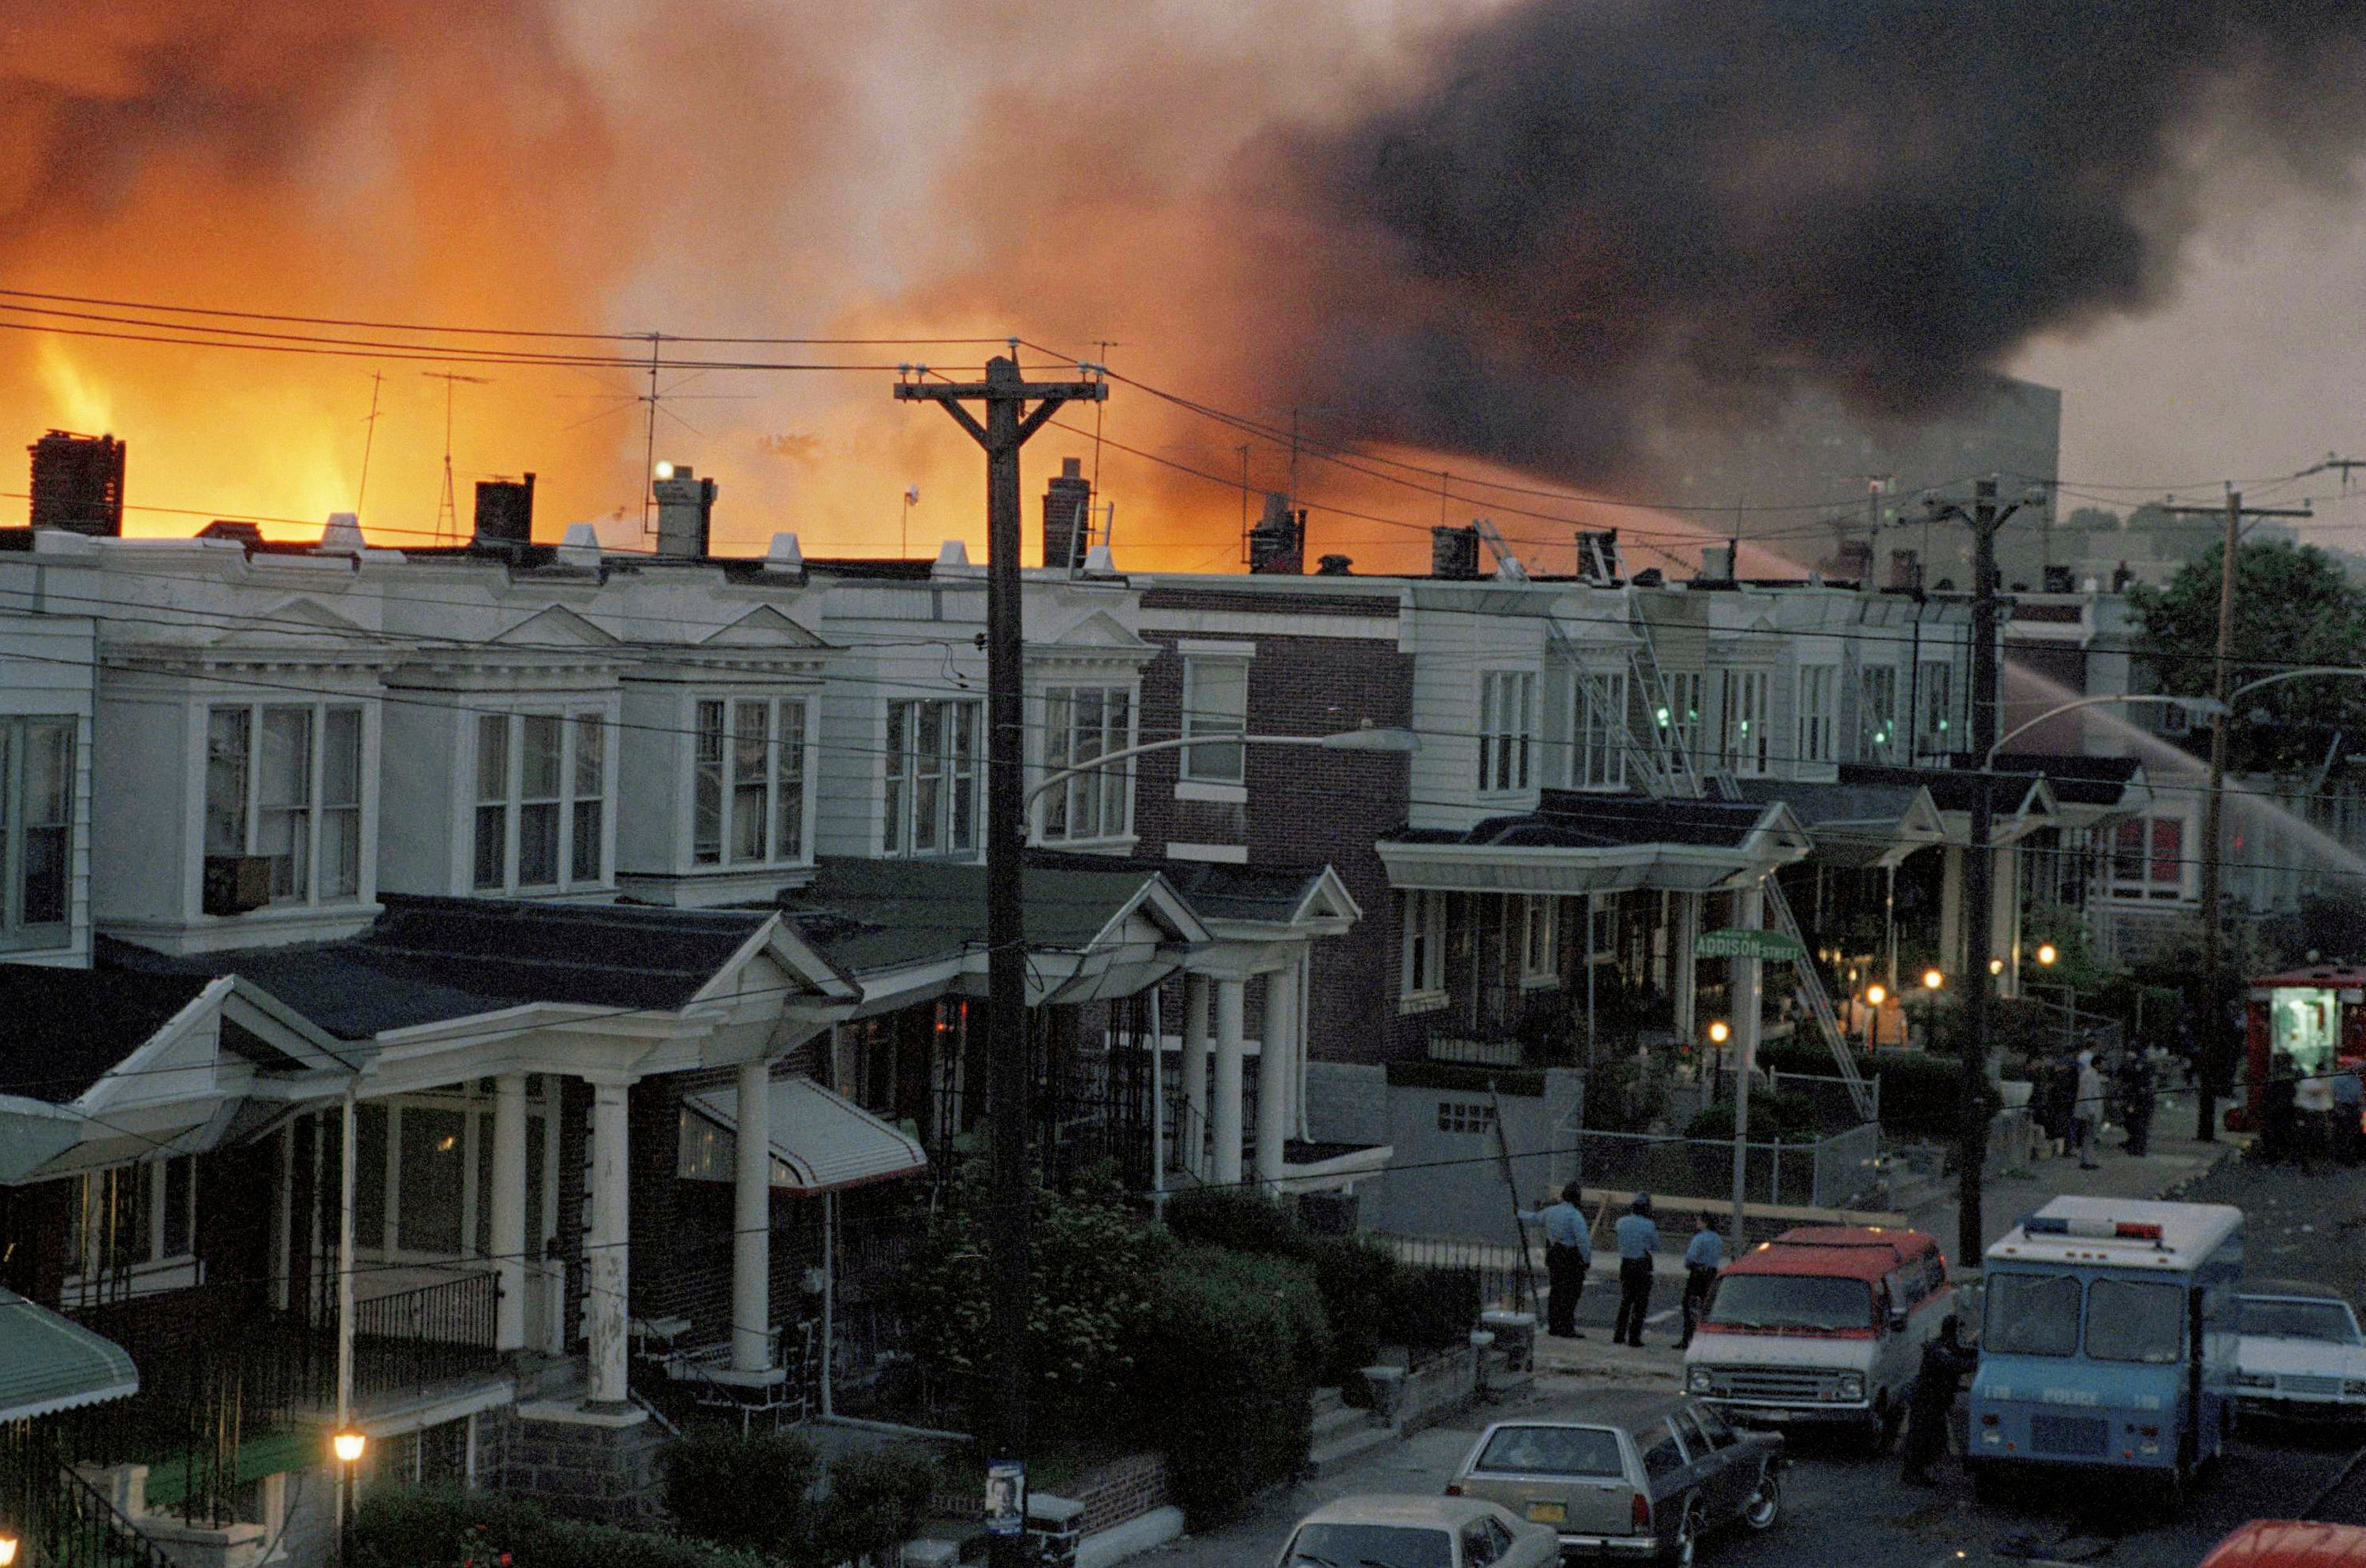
<point x="2176" y="1190"/>
<point x="1137" y="1535"/>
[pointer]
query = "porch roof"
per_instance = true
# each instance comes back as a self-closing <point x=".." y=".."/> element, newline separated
<point x="1600" y="843"/>
<point x="1856" y="824"/>
<point x="1264" y="893"/>
<point x="50" y="1363"/>
<point x="826" y="1141"/>
<point x="63" y="1029"/>
<point x="2087" y="790"/>
<point x="2021" y="803"/>
<point x="875" y="915"/>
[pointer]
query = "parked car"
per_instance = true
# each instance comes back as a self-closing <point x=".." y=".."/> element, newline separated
<point x="1644" y="1475"/>
<point x="1380" y="1531"/>
<point x="1824" y="1324"/>
<point x="2290" y="1543"/>
<point x="2298" y="1353"/>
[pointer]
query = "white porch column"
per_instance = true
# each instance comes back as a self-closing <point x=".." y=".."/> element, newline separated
<point x="507" y="1243"/>
<point x="1224" y="1116"/>
<point x="607" y="1274"/>
<point x="2004" y="917"/>
<point x="1749" y="913"/>
<point x="1683" y="969"/>
<point x="1275" y="1054"/>
<point x="1950" y="913"/>
<point x="751" y="1222"/>
<point x="1191" y="1137"/>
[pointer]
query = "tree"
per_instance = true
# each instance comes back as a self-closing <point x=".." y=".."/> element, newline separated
<point x="2293" y="605"/>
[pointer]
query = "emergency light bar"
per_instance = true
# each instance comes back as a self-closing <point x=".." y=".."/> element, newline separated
<point x="2096" y="1229"/>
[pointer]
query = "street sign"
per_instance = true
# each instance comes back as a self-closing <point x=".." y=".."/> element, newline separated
<point x="1741" y="941"/>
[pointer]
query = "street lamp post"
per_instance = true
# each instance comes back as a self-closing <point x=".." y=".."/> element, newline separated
<point x="1368" y="737"/>
<point x="1932" y="982"/>
<point x="1874" y="995"/>
<point x="347" y="1445"/>
<point x="2199" y="707"/>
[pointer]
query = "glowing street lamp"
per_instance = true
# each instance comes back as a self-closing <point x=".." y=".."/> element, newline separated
<point x="349" y="1446"/>
<point x="1874" y="995"/>
<point x="7" y="1551"/>
<point x="1932" y="982"/>
<point x="1720" y="1031"/>
<point x="2047" y="954"/>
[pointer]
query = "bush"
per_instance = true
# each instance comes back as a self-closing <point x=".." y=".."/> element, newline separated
<point x="1433" y="1309"/>
<point x="439" y="1528"/>
<point x="1237" y="1218"/>
<point x="1921" y="1094"/>
<point x="1782" y="1117"/>
<point x="748" y="1492"/>
<point x="1357" y="1282"/>
<point x="1225" y="1375"/>
<point x="874" y="1504"/>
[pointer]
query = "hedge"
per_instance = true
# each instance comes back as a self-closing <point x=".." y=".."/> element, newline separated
<point x="1466" y="1077"/>
<point x="749" y="1493"/>
<point x="1921" y="1094"/>
<point x="440" y="1528"/>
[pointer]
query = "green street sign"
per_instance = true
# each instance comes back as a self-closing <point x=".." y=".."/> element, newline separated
<point x="1740" y="942"/>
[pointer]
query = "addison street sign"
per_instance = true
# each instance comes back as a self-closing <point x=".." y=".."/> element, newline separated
<point x="1741" y="941"/>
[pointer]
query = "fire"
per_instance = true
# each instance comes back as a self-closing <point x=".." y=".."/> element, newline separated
<point x="79" y="401"/>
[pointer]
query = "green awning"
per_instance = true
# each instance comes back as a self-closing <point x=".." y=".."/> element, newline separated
<point x="50" y="1363"/>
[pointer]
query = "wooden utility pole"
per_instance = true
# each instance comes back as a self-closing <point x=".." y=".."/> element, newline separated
<point x="1010" y="1070"/>
<point x="2211" y="1081"/>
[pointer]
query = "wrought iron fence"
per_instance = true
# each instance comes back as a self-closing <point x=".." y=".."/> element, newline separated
<point x="434" y="1334"/>
<point x="65" y="1522"/>
<point x="1507" y="1280"/>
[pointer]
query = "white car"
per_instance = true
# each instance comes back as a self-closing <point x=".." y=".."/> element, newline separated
<point x="1376" y="1531"/>
<point x="2298" y="1353"/>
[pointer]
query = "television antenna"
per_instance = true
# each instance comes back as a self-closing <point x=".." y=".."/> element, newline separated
<point x="448" y="506"/>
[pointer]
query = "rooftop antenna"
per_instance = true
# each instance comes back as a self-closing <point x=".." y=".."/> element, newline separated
<point x="448" y="506"/>
<point x="649" y="436"/>
<point x="370" y="439"/>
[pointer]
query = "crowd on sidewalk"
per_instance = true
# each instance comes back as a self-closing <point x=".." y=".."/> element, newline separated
<point x="1569" y="1257"/>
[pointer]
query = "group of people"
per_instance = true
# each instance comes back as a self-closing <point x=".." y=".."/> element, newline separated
<point x="1568" y="1256"/>
<point x="2312" y="1116"/>
<point x="2073" y="1098"/>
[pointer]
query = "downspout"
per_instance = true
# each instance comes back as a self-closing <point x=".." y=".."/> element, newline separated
<point x="829" y="1298"/>
<point x="1305" y="1041"/>
<point x="345" y="1267"/>
<point x="1157" y="1105"/>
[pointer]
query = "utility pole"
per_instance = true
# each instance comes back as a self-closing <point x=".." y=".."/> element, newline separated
<point x="1985" y="517"/>
<point x="2211" y="1081"/>
<point x="1010" y="1067"/>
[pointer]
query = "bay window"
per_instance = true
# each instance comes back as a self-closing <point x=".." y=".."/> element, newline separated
<point x="1744" y="748"/>
<point x="748" y="805"/>
<point x="1601" y="759"/>
<point x="933" y="766"/>
<point x="1508" y="723"/>
<point x="1880" y="685"/>
<point x="2148" y="857"/>
<point x="1933" y="737"/>
<point x="1539" y="939"/>
<point x="1081" y="723"/>
<point x="541" y="800"/>
<point x="36" y="804"/>
<point x="283" y="784"/>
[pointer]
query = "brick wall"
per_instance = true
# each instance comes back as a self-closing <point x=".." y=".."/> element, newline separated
<point x="1304" y="806"/>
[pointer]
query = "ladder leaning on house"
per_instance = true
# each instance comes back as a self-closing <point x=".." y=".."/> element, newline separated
<point x="1669" y="773"/>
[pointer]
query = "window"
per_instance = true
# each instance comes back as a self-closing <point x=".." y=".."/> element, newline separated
<point x="1792" y="1300"/>
<point x="1507" y="713"/>
<point x="747" y="800"/>
<point x="1933" y="736"/>
<point x="1880" y="685"/>
<point x="1215" y="702"/>
<point x="1744" y="745"/>
<point x="422" y="1171"/>
<point x="1423" y="971"/>
<point x="2031" y="1315"/>
<point x="2135" y="1320"/>
<point x="1081" y="723"/>
<point x="1479" y="1548"/>
<point x="1539" y="937"/>
<point x="932" y="766"/>
<point x="1379" y="1546"/>
<point x="2148" y="857"/>
<point x="285" y="784"/>
<point x="37" y="800"/>
<point x="1683" y="717"/>
<point x="1601" y="760"/>
<point x="1712" y="1427"/>
<point x="541" y="800"/>
<point x="1819" y="686"/>
<point x="1663" y="1458"/>
<point x="133" y="1218"/>
<point x="1465" y="1116"/>
<point x="1601" y="919"/>
<point x="1553" y="1451"/>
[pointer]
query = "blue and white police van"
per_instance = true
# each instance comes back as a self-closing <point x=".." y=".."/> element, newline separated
<point x="2107" y="1340"/>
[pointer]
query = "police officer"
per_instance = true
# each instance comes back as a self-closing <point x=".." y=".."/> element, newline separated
<point x="1638" y="1239"/>
<point x="1704" y="1256"/>
<point x="1944" y="1362"/>
<point x="1568" y="1253"/>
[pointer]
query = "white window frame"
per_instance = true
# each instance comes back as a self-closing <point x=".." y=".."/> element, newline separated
<point x="1878" y="683"/>
<point x="1934" y="694"/>
<point x="1214" y="764"/>
<point x="1540" y="941"/>
<point x="1096" y="805"/>
<point x="1743" y="721"/>
<point x="1598" y="762"/>
<point x="2145" y="887"/>
<point x="316" y="809"/>
<point x="506" y="802"/>
<point x="1687" y="698"/>
<point x="477" y="1107"/>
<point x="157" y="1268"/>
<point x="18" y="933"/>
<point x="1421" y="960"/>
<point x="1507" y="730"/>
<point x="759" y="761"/>
<point x="952" y="828"/>
<point x="1470" y="1116"/>
<point x="1820" y="687"/>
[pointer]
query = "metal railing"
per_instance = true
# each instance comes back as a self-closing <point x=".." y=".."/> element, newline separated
<point x="63" y="1520"/>
<point x="413" y="1340"/>
<point x="1478" y="1053"/>
<point x="1505" y="1280"/>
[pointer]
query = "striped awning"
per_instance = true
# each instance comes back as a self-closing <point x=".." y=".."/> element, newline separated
<point x="50" y="1363"/>
<point x="821" y="1142"/>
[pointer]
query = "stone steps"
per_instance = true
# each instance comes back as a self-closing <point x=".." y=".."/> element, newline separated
<point x="1341" y="1431"/>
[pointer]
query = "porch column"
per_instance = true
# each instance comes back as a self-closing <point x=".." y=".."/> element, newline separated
<point x="507" y="1243"/>
<point x="1224" y="1116"/>
<point x="2004" y="917"/>
<point x="1192" y="1138"/>
<point x="1750" y="914"/>
<point x="1275" y="1054"/>
<point x="1683" y="969"/>
<point x="751" y="1222"/>
<point x="607" y="1276"/>
<point x="1950" y="913"/>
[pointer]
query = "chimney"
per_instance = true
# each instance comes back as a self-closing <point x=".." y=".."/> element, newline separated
<point x="2061" y="579"/>
<point x="1277" y="542"/>
<point x="1853" y="562"/>
<point x="1717" y="563"/>
<point x="1454" y="554"/>
<point x="78" y="484"/>
<point x="1067" y="516"/>
<point x="1906" y="572"/>
<point x="504" y="514"/>
<point x="1598" y="561"/>
<point x="685" y="510"/>
<point x="1336" y="566"/>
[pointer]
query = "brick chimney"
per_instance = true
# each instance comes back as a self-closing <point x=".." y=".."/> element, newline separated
<point x="1278" y="540"/>
<point x="1067" y="516"/>
<point x="78" y="484"/>
<point x="1716" y="564"/>
<point x="685" y="511"/>
<point x="1454" y="554"/>
<point x="1906" y="572"/>
<point x="504" y="514"/>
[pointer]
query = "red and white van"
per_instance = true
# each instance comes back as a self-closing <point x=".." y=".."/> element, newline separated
<point x="1824" y="1323"/>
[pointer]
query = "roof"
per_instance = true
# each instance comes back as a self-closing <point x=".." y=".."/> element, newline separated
<point x="2288" y="1543"/>
<point x="1833" y="1252"/>
<point x="824" y="1141"/>
<point x="1628" y="1409"/>
<point x="50" y="1363"/>
<point x="1572" y="819"/>
<point x="62" y="1030"/>
<point x="1269" y="892"/>
<point x="1855" y="824"/>
<point x="869" y="915"/>
<point x="2318" y="976"/>
<point x="1575" y="843"/>
<point x="1950" y="789"/>
<point x="2293" y="1290"/>
<point x="427" y="960"/>
<point x="2189" y="1232"/>
<point x="2077" y="780"/>
<point x="1404" y="1510"/>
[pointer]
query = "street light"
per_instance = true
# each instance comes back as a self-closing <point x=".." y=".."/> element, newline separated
<point x="1367" y="738"/>
<point x="2199" y="707"/>
<point x="7" y="1551"/>
<point x="347" y="1445"/>
<point x="2047" y="954"/>
<point x="1874" y="995"/>
<point x="1932" y="981"/>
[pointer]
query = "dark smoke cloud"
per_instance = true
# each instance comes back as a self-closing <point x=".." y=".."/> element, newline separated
<point x="1597" y="215"/>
